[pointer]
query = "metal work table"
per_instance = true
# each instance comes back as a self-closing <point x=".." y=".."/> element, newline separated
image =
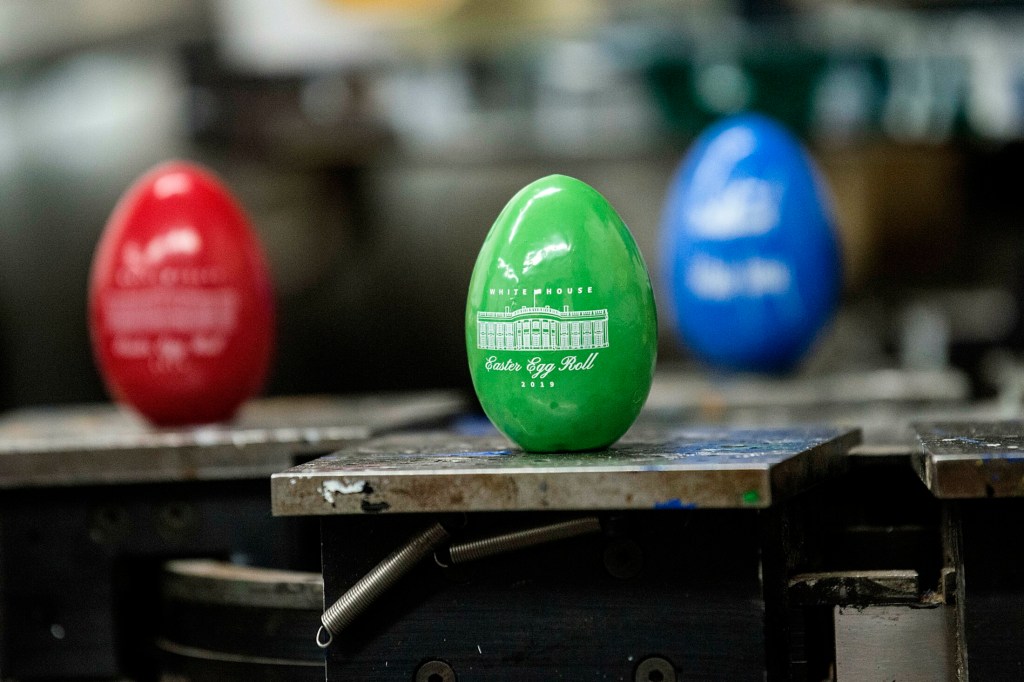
<point x="965" y="460"/>
<point x="976" y="470"/>
<point x="882" y="403"/>
<point x="94" y="501"/>
<point x="681" y="578"/>
<point x="102" y="444"/>
<point x="647" y="469"/>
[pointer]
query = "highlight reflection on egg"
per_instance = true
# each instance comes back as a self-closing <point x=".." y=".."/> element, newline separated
<point x="751" y="257"/>
<point x="561" y="332"/>
<point x="180" y="302"/>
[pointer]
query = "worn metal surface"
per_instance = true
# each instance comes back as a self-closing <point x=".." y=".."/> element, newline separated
<point x="972" y="459"/>
<point x="219" y="582"/>
<point x="883" y="403"/>
<point x="894" y="643"/>
<point x="656" y="469"/>
<point x="677" y="389"/>
<point x="91" y="444"/>
<point x="854" y="587"/>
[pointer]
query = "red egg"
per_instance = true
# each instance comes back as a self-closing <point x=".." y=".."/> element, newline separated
<point x="181" y="310"/>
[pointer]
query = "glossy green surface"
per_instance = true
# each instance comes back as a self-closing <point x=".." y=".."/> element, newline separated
<point x="561" y="331"/>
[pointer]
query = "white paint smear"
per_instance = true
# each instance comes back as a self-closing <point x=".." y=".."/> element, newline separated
<point x="335" y="487"/>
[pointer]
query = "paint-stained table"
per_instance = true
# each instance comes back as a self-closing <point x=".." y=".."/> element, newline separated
<point x="678" y="583"/>
<point x="972" y="460"/>
<point x="93" y="501"/>
<point x="976" y="469"/>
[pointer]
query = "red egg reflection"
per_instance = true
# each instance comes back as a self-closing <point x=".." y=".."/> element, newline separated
<point x="180" y="303"/>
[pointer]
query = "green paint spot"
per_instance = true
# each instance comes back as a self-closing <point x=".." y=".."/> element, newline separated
<point x="751" y="497"/>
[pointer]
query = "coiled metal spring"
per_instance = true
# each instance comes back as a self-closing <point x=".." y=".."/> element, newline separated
<point x="397" y="564"/>
<point x="374" y="583"/>
<point x="499" y="544"/>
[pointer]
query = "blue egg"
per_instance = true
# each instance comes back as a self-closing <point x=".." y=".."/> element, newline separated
<point x="752" y="260"/>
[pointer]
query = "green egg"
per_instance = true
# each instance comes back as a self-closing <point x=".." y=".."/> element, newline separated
<point x="561" y="329"/>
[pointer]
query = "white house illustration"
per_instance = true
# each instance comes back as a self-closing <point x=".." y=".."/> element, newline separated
<point x="534" y="328"/>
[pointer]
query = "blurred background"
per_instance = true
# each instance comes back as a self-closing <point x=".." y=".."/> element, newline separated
<point x="374" y="142"/>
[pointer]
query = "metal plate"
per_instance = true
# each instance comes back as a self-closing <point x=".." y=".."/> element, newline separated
<point x="659" y="469"/>
<point x="883" y="403"/>
<point x="894" y="643"/>
<point x="82" y="445"/>
<point x="972" y="459"/>
<point x="861" y="588"/>
<point x="677" y="389"/>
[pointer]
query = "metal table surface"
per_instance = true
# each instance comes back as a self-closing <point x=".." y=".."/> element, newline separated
<point x="963" y="460"/>
<point x="674" y="388"/>
<point x="883" y="403"/>
<point x="104" y="444"/>
<point x="664" y="468"/>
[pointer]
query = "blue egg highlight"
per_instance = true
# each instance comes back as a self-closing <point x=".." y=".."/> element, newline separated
<point x="751" y="257"/>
